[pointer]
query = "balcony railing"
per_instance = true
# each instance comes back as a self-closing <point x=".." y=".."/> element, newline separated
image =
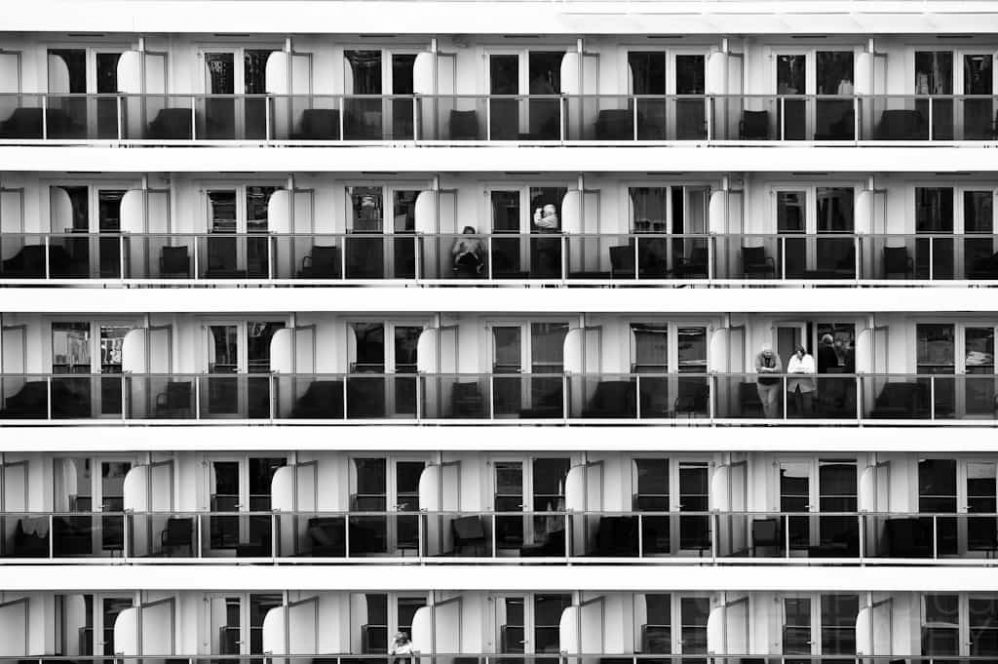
<point x="694" y="398"/>
<point x="715" y="537"/>
<point x="551" y="656"/>
<point x="445" y="258"/>
<point x="256" y="118"/>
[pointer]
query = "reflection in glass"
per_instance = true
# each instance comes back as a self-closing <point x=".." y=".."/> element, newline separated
<point x="934" y="216"/>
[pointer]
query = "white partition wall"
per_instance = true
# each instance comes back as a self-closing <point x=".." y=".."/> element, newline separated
<point x="14" y="633"/>
<point x="582" y="629"/>
<point x="292" y="629"/>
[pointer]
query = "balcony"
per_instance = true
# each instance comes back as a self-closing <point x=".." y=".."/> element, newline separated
<point x="716" y="399"/>
<point x="517" y="537"/>
<point x="31" y="118"/>
<point x="502" y="258"/>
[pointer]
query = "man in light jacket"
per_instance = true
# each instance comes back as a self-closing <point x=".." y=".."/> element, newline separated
<point x="768" y="367"/>
<point x="800" y="381"/>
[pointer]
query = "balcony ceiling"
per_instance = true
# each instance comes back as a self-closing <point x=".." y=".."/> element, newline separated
<point x="568" y="17"/>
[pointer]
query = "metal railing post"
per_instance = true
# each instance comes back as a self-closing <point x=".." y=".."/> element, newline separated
<point x="932" y="257"/>
<point x="273" y="536"/>
<point x="783" y="118"/>
<point x="488" y="119"/>
<point x="641" y="535"/>
<point x="270" y="256"/>
<point x="562" y="102"/>
<point x="857" y="122"/>
<point x="194" y="118"/>
<point x="48" y="397"/>
<point x="786" y="401"/>
<point x="121" y="121"/>
<point x="861" y="522"/>
<point x="126" y="535"/>
<point x="932" y="397"/>
<point x="121" y="255"/>
<point x="931" y="123"/>
<point x="415" y="117"/>
<point x="268" y="117"/>
<point x="197" y="396"/>
<point x="197" y="254"/>
<point x="637" y="401"/>
<point x="199" y="523"/>
<point x="45" y="117"/>
<point x="125" y="401"/>
<point x="935" y="537"/>
<point x="783" y="257"/>
<point x="51" y="519"/>
<point x="47" y="241"/>
<point x="710" y="118"/>
<point x="715" y="528"/>
<point x="786" y="535"/>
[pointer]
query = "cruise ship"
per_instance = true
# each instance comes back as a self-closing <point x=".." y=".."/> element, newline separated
<point x="498" y="332"/>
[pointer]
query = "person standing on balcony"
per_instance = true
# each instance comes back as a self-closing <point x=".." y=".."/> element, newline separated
<point x="768" y="366"/>
<point x="802" y="388"/>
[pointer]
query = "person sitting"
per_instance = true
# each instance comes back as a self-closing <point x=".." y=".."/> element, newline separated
<point x="400" y="648"/>
<point x="467" y="253"/>
<point x="546" y="219"/>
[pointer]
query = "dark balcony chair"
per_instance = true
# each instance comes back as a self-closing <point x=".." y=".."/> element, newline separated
<point x="656" y="639"/>
<point x="843" y="129"/>
<point x="30" y="402"/>
<point x="176" y="401"/>
<point x="29" y="262"/>
<point x="174" y="261"/>
<point x="612" y="399"/>
<point x="178" y="534"/>
<point x="756" y="263"/>
<point x="897" y="261"/>
<point x="615" y="124"/>
<point x="908" y="538"/>
<point x="617" y="536"/>
<point x="466" y="400"/>
<point x="622" y="262"/>
<point x="842" y="545"/>
<point x="27" y="123"/>
<point x="319" y="124"/>
<point x="31" y="537"/>
<point x="696" y="400"/>
<point x="172" y="124"/>
<point x="901" y="125"/>
<point x="327" y="537"/>
<point x="900" y="401"/>
<point x="323" y="399"/>
<point x="324" y="262"/>
<point x="766" y="533"/>
<point x="984" y="268"/>
<point x="23" y="123"/>
<point x="694" y="266"/>
<point x="754" y="126"/>
<point x="368" y="538"/>
<point x="463" y="125"/>
<point x="366" y="397"/>
<point x="468" y="531"/>
<point x="553" y="545"/>
<point x="548" y="404"/>
<point x="73" y="535"/>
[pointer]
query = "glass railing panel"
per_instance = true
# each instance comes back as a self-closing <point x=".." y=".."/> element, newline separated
<point x="234" y="396"/>
<point x="22" y="116"/>
<point x="456" y="396"/>
<point x="788" y="396"/>
<point x="306" y="117"/>
<point x="231" y="117"/>
<point x="381" y="396"/>
<point x="157" y="117"/>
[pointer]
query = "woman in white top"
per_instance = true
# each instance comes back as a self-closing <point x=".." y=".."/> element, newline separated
<point x="800" y="381"/>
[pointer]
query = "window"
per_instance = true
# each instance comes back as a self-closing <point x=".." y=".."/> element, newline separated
<point x="941" y="625"/>
<point x="367" y="205"/>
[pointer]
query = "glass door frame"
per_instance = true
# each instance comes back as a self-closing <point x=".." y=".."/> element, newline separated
<point x="242" y="373"/>
<point x="388" y="55"/>
<point x="389" y="190"/>
<point x="238" y="53"/>
<point x="95" y="326"/>
<point x="810" y="233"/>
<point x="677" y="463"/>
<point x="810" y="54"/>
<point x="526" y="351"/>
<point x="814" y="518"/>
<point x="962" y="463"/>
<point x="92" y="52"/>
<point x="528" y="496"/>
<point x="241" y="191"/>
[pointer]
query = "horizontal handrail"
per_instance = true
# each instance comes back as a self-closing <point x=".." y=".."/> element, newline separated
<point x="554" y="118"/>
<point x="552" y="257"/>
<point x="712" y="536"/>
<point x="706" y="397"/>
